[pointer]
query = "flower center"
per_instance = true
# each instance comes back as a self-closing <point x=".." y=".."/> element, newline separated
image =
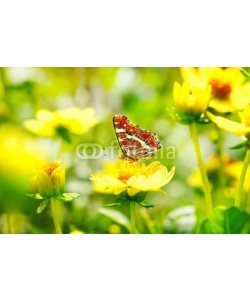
<point x="50" y="167"/>
<point x="123" y="176"/>
<point x="220" y="89"/>
<point x="129" y="169"/>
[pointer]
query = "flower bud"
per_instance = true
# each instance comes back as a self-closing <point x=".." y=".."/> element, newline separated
<point x="50" y="180"/>
<point x="190" y="103"/>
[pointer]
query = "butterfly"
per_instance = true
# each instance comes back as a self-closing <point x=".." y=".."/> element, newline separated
<point x="136" y="143"/>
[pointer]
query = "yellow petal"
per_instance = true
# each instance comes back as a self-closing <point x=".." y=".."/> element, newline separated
<point x="131" y="192"/>
<point x="39" y="128"/>
<point x="240" y="97"/>
<point x="160" y="178"/>
<point x="108" y="184"/>
<point x="186" y="89"/>
<point x="138" y="182"/>
<point x="33" y="126"/>
<point x="57" y="180"/>
<point x="189" y="74"/>
<point x="108" y="180"/>
<point x="221" y="106"/>
<point x="77" y="121"/>
<point x="245" y="116"/>
<point x="153" y="181"/>
<point x="43" y="183"/>
<point x="181" y="95"/>
<point x="196" y="76"/>
<point x="153" y="167"/>
<point x="118" y="190"/>
<point x="202" y="97"/>
<point x="45" y="115"/>
<point x="228" y="125"/>
<point x="67" y="113"/>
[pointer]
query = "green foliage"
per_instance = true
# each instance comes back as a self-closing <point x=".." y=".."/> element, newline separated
<point x="64" y="134"/>
<point x="245" y="73"/>
<point x="42" y="206"/>
<point x="112" y="204"/>
<point x="35" y="196"/>
<point x="66" y="197"/>
<point x="116" y="216"/>
<point x="226" y="220"/>
<point x="146" y="204"/>
<point x="241" y="145"/>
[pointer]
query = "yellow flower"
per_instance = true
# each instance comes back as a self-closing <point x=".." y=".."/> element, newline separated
<point x="229" y="93"/>
<point x="190" y="102"/>
<point x="133" y="177"/>
<point x="231" y="169"/>
<point x="236" y="128"/>
<point x="212" y="166"/>
<point x="50" y="180"/>
<point x="48" y="185"/>
<point x="62" y="121"/>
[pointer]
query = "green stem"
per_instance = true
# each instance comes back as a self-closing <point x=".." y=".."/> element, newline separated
<point x="132" y="216"/>
<point x="239" y="192"/>
<point x="55" y="215"/>
<point x="202" y="168"/>
<point x="248" y="201"/>
<point x="221" y="177"/>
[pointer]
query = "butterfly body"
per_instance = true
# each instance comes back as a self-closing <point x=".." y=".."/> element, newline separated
<point x="136" y="143"/>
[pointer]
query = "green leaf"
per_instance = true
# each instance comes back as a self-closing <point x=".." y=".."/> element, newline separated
<point x="66" y="197"/>
<point x="222" y="220"/>
<point x="185" y="117"/>
<point x="64" y="133"/>
<point x="42" y="206"/>
<point x="112" y="204"/>
<point x="116" y="216"/>
<point x="245" y="73"/>
<point x="121" y="200"/>
<point x="240" y="145"/>
<point x="139" y="197"/>
<point x="35" y="196"/>
<point x="146" y="204"/>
